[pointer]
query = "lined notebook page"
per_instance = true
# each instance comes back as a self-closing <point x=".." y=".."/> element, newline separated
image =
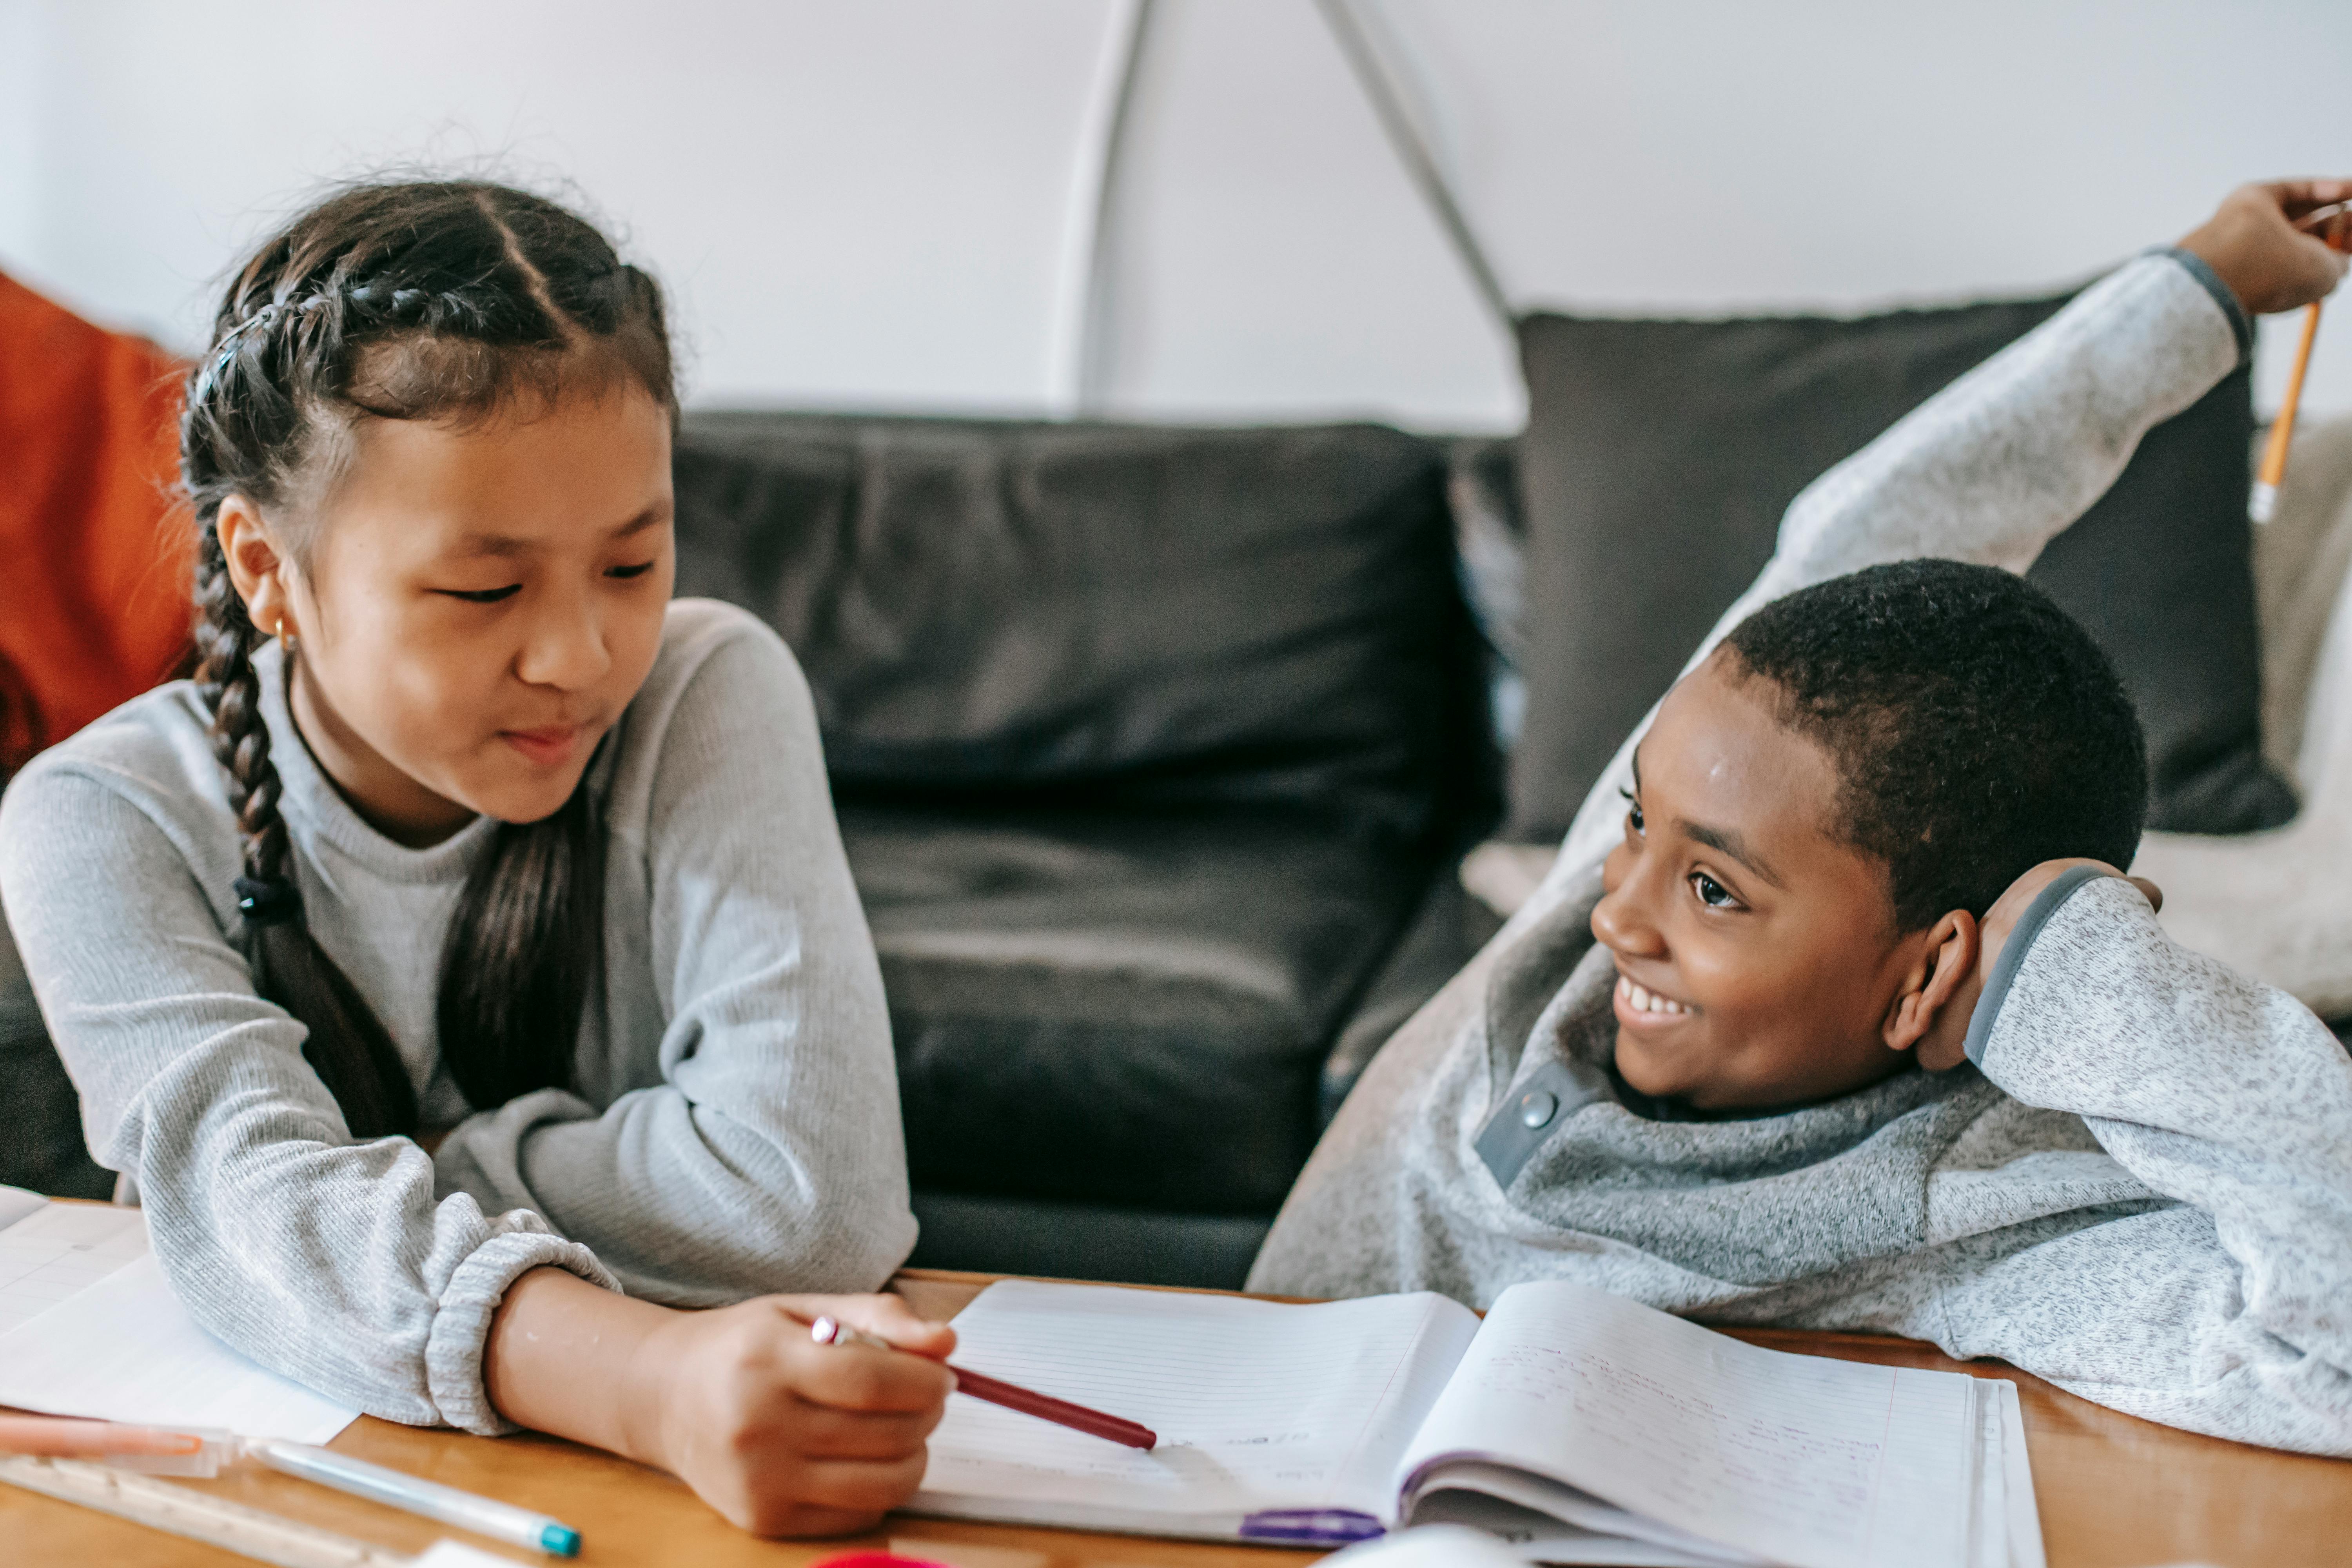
<point x="1257" y="1405"/>
<point x="2023" y="1521"/>
<point x="57" y="1251"/>
<point x="1801" y="1459"/>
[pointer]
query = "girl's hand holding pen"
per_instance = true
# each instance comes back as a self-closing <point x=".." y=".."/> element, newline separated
<point x="782" y="1436"/>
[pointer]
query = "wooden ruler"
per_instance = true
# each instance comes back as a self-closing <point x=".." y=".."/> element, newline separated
<point x="199" y="1516"/>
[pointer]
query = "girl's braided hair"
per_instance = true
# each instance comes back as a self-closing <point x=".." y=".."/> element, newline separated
<point x="406" y="299"/>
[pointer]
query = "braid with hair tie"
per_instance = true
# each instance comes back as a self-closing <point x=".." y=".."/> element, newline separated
<point x="225" y="350"/>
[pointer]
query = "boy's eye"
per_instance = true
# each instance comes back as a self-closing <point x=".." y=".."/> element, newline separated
<point x="624" y="573"/>
<point x="1711" y="894"/>
<point x="481" y="596"/>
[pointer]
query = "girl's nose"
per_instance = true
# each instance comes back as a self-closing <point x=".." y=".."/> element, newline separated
<point x="566" y="649"/>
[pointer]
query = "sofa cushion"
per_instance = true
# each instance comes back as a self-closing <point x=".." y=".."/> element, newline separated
<point x="1119" y="1007"/>
<point x="1660" y="455"/>
<point x="2161" y="570"/>
<point x="1131" y="616"/>
<point x="1146" y="743"/>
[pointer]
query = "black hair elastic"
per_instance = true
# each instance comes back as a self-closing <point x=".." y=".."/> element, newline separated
<point x="269" y="903"/>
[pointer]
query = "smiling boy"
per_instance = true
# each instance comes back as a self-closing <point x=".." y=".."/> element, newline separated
<point x="1875" y="830"/>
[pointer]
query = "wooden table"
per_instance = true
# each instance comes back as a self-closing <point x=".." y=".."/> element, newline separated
<point x="2116" y="1492"/>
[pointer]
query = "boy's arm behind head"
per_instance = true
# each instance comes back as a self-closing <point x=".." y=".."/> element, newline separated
<point x="2214" y="1090"/>
<point x="1945" y="1044"/>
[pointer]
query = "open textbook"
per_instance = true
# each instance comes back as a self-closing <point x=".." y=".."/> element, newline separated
<point x="1580" y="1427"/>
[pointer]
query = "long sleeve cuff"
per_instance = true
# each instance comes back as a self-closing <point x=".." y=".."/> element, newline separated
<point x="453" y="1350"/>
<point x="2013" y="952"/>
<point x="2242" y="325"/>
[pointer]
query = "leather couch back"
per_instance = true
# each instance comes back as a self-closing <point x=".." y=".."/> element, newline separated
<point x="1120" y="615"/>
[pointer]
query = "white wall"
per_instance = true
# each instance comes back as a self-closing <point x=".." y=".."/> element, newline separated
<point x="854" y="203"/>
<point x="865" y="204"/>
<point x="1722" y="156"/>
<point x="1271" y="257"/>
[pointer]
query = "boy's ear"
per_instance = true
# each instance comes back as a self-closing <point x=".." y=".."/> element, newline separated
<point x="1939" y="994"/>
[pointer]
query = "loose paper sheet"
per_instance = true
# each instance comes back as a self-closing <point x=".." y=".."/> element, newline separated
<point x="125" y="1350"/>
<point x="51" y="1251"/>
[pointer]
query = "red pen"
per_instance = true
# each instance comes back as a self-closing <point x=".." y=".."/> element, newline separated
<point x="1045" y="1406"/>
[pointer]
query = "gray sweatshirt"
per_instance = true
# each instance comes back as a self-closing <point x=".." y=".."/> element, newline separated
<point x="733" y="1125"/>
<point x="2141" y="1189"/>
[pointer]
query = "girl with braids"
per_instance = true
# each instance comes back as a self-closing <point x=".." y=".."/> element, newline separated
<point x="463" y="969"/>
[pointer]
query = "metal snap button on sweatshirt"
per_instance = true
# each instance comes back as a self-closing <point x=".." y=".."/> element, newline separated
<point x="1547" y="1101"/>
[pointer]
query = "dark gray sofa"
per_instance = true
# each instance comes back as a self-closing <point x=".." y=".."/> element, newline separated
<point x="1154" y="750"/>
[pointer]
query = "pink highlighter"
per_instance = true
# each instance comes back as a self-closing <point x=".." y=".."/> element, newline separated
<point x="152" y="1450"/>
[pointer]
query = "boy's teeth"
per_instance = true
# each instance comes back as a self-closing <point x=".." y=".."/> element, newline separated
<point x="1644" y="1000"/>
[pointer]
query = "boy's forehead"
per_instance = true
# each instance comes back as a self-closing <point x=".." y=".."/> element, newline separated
<point x="1719" y="758"/>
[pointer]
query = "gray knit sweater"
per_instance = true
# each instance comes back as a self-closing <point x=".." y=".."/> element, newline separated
<point x="2142" y="1187"/>
<point x="732" y="1126"/>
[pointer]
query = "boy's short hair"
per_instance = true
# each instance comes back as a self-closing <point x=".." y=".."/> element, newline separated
<point x="1977" y="727"/>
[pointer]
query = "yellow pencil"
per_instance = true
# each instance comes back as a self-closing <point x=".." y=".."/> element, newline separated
<point x="2273" y="471"/>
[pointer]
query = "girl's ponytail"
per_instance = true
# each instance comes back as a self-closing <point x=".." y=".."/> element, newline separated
<point x="414" y="300"/>
<point x="522" y="953"/>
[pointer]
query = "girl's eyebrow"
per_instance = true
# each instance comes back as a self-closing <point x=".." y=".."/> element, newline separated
<point x="492" y="544"/>
<point x="507" y="544"/>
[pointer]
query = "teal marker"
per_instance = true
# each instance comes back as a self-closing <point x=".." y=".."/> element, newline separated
<point x="484" y="1516"/>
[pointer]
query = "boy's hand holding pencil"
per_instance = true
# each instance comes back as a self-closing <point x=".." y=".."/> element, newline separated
<point x="2274" y="245"/>
<point x="2278" y="245"/>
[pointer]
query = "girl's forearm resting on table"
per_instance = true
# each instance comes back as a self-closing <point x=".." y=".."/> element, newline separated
<point x="550" y="1327"/>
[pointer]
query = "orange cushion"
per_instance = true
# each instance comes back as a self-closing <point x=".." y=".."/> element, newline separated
<point x="98" y="548"/>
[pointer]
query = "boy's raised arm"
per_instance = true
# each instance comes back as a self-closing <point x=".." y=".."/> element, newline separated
<point x="1999" y="463"/>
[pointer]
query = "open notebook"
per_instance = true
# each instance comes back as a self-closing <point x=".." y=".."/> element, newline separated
<point x="1583" y="1427"/>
